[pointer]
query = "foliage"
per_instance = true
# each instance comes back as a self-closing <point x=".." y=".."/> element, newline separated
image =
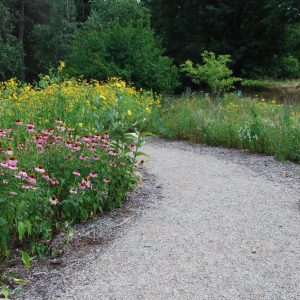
<point x="132" y="53"/>
<point x="290" y="66"/>
<point x="52" y="38"/>
<point x="254" y="124"/>
<point x="104" y="14"/>
<point x="214" y="72"/>
<point x="69" y="151"/>
<point x="11" y="53"/>
<point x="251" y="31"/>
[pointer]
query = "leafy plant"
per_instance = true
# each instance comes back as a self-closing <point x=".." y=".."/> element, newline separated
<point x="214" y="72"/>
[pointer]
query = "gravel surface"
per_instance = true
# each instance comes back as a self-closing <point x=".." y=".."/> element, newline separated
<point x="226" y="226"/>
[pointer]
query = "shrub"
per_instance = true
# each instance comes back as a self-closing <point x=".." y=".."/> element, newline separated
<point x="290" y="66"/>
<point x="132" y="53"/>
<point x="214" y="72"/>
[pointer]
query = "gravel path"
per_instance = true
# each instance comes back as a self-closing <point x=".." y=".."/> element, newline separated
<point x="223" y="230"/>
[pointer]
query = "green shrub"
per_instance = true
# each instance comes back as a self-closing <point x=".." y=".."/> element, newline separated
<point x="214" y="72"/>
<point x="290" y="66"/>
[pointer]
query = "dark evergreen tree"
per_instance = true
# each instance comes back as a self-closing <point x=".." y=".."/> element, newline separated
<point x="252" y="31"/>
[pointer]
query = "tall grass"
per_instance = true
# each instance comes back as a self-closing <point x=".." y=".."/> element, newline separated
<point x="260" y="126"/>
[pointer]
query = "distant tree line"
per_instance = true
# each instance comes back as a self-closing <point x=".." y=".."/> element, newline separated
<point x="145" y="41"/>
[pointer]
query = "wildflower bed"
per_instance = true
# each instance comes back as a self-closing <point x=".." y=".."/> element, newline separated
<point x="68" y="151"/>
<point x="259" y="125"/>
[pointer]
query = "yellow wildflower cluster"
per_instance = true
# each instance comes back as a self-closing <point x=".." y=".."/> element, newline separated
<point x="73" y="99"/>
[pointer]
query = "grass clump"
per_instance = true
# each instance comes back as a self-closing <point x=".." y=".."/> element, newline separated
<point x="243" y="123"/>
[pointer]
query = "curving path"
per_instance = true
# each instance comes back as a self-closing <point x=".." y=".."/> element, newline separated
<point x="221" y="231"/>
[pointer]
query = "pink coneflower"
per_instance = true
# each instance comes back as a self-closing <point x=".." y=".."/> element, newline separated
<point x="97" y="137"/>
<point x="12" y="168"/>
<point x="46" y="176"/>
<point x="122" y="163"/>
<point x="5" y="181"/>
<point x="96" y="157"/>
<point x="106" y="180"/>
<point x="75" y="148"/>
<point x="20" y="146"/>
<point x="40" y="146"/>
<point x="82" y="185"/>
<point x="61" y="128"/>
<point x="83" y="157"/>
<point x="12" y="161"/>
<point x="133" y="147"/>
<point x="31" y="179"/>
<point x="2" y="133"/>
<point x="112" y="153"/>
<point x="39" y="169"/>
<point x="58" y="138"/>
<point x="28" y="187"/>
<point x="53" y="200"/>
<point x="89" y="185"/>
<point x="93" y="174"/>
<point x="30" y="128"/>
<point x="13" y="193"/>
<point x="10" y="138"/>
<point x="106" y="135"/>
<point x="4" y="164"/>
<point x="92" y="149"/>
<point x="142" y="162"/>
<point x="54" y="181"/>
<point x="73" y="191"/>
<point x="112" y="164"/>
<point x="85" y="179"/>
<point x="86" y="139"/>
<point x="69" y="143"/>
<point x="76" y="173"/>
<point x="9" y="151"/>
<point x="23" y="173"/>
<point x="19" y="122"/>
<point x="58" y="121"/>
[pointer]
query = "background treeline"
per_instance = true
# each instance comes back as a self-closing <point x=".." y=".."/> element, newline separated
<point x="146" y="41"/>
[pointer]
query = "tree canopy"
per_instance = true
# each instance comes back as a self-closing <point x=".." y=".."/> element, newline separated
<point x="139" y="39"/>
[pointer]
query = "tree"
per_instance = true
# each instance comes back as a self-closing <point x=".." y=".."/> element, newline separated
<point x="251" y="31"/>
<point x="52" y="37"/>
<point x="117" y="41"/>
<point x="214" y="71"/>
<point x="11" y="52"/>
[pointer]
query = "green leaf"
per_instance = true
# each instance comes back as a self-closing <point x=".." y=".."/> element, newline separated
<point x="147" y="133"/>
<point x="28" y="226"/>
<point x="140" y="153"/>
<point x="25" y="259"/>
<point x="21" y="230"/>
<point x="20" y="281"/>
<point x="5" y="291"/>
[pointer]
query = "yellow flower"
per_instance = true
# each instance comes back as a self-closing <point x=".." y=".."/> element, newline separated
<point x="147" y="110"/>
<point x="61" y="65"/>
<point x="129" y="112"/>
<point x="80" y="125"/>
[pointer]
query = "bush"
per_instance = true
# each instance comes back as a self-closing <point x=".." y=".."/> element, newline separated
<point x="117" y="40"/>
<point x="132" y="53"/>
<point x="214" y="72"/>
<point x="290" y="66"/>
